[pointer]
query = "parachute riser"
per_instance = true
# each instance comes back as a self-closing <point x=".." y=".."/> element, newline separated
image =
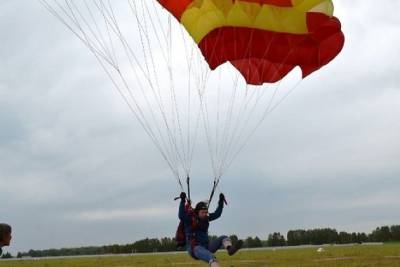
<point x="188" y="188"/>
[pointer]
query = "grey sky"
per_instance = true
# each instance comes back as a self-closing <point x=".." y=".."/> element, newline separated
<point x="75" y="169"/>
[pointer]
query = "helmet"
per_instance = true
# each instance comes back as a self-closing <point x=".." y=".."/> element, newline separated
<point x="202" y="205"/>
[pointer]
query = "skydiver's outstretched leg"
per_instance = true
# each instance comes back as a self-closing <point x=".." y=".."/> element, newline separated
<point x="219" y="242"/>
<point x="205" y="255"/>
<point x="226" y="243"/>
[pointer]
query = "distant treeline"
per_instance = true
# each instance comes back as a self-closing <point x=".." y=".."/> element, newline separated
<point x="293" y="238"/>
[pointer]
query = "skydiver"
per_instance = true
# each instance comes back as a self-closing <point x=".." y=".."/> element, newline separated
<point x="196" y="223"/>
<point x="5" y="236"/>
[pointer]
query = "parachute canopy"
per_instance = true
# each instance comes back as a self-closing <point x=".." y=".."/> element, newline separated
<point x="263" y="39"/>
<point x="163" y="78"/>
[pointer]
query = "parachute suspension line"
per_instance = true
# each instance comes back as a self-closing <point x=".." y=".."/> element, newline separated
<point x="228" y="133"/>
<point x="189" y="66"/>
<point x="239" y="134"/>
<point x="257" y="100"/>
<point x="143" y="124"/>
<point x="217" y="132"/>
<point x="187" y="154"/>
<point x="215" y="153"/>
<point x="98" y="45"/>
<point x="265" y="115"/>
<point x="133" y="8"/>
<point x="214" y="156"/>
<point x="169" y="45"/>
<point x="175" y="111"/>
<point x="270" y="108"/>
<point x="203" y="108"/>
<point x="221" y="145"/>
<point x="228" y="124"/>
<point x="157" y="17"/>
<point x="167" y="61"/>
<point x="191" y="142"/>
<point x="107" y="27"/>
<point x="206" y="123"/>
<point x="201" y="76"/>
<point x="143" y="30"/>
<point x="102" y="42"/>
<point x="208" y="138"/>
<point x="127" y="49"/>
<point x="99" y="38"/>
<point x="171" y="136"/>
<point x="76" y="24"/>
<point x="241" y="113"/>
<point x="182" y="160"/>
<point x="178" y="120"/>
<point x="110" y="58"/>
<point x="173" y="95"/>
<point x="236" y="135"/>
<point x="175" y="171"/>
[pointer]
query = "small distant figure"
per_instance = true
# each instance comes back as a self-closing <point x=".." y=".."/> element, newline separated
<point x="5" y="236"/>
<point x="320" y="250"/>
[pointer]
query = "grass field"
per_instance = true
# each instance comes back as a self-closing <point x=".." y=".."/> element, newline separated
<point x="377" y="256"/>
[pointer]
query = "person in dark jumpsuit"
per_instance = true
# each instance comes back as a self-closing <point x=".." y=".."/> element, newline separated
<point x="196" y="226"/>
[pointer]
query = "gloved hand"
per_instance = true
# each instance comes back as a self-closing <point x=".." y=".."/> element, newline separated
<point x="183" y="196"/>
<point x="222" y="198"/>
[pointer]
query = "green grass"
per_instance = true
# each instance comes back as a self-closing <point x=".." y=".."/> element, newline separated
<point x="360" y="256"/>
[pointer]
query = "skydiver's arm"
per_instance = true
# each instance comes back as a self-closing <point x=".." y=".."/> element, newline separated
<point x="182" y="213"/>
<point x="218" y="212"/>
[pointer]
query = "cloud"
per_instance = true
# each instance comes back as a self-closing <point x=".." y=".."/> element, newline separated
<point x="149" y="213"/>
<point x="386" y="200"/>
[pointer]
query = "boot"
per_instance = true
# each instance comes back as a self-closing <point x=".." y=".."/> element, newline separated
<point x="214" y="264"/>
<point x="233" y="249"/>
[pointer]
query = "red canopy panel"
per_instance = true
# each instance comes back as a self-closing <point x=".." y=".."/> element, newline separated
<point x="265" y="57"/>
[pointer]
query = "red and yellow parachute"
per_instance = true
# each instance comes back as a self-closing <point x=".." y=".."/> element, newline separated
<point x="263" y="39"/>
